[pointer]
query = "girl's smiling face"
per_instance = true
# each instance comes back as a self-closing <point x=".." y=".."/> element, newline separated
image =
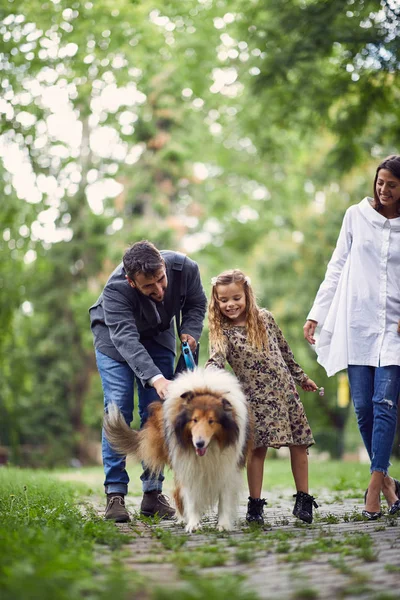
<point x="388" y="190"/>
<point x="231" y="300"/>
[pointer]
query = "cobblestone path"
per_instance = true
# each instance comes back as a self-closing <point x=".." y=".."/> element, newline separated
<point x="338" y="556"/>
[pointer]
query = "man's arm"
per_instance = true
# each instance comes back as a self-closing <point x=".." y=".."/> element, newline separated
<point x="120" y="320"/>
<point x="195" y="306"/>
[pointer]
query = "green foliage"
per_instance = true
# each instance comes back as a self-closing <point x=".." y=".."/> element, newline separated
<point x="392" y="568"/>
<point x="170" y="541"/>
<point x="202" y="557"/>
<point x="196" y="587"/>
<point x="306" y="593"/>
<point x="48" y="547"/>
<point x="232" y="130"/>
<point x="351" y="545"/>
<point x="245" y="555"/>
<point x="326" y="63"/>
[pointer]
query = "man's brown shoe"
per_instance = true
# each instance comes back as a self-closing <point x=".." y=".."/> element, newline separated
<point x="154" y="503"/>
<point x="115" y="509"/>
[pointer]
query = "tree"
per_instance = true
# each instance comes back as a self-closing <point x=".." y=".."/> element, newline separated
<point x="146" y="120"/>
<point x="109" y="74"/>
<point x="326" y="64"/>
<point x="65" y="64"/>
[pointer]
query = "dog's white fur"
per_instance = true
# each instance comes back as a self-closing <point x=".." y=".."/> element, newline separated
<point x="201" y="481"/>
<point x="215" y="477"/>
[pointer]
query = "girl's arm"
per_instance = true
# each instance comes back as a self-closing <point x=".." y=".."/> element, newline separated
<point x="328" y="287"/>
<point x="217" y="358"/>
<point x="296" y="371"/>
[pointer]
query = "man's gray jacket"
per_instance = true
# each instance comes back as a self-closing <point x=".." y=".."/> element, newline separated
<point x="123" y="320"/>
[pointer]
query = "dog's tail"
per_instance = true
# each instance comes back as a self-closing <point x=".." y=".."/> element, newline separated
<point x="147" y="445"/>
<point x="121" y="437"/>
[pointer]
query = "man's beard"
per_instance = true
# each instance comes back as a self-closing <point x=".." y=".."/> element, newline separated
<point x="152" y="297"/>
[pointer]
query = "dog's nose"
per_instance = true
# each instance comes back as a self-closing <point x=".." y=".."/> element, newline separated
<point x="200" y="444"/>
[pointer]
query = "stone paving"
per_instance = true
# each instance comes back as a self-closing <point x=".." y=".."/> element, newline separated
<point x="351" y="558"/>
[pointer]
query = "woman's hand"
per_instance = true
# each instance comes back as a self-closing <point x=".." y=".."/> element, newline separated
<point x="309" y="385"/>
<point x="309" y="330"/>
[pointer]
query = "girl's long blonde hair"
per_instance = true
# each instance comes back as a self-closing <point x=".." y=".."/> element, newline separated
<point x="255" y="326"/>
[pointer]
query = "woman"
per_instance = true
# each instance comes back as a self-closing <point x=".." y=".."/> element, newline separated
<point x="357" y="308"/>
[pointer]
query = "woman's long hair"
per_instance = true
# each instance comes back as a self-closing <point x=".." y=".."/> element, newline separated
<point x="255" y="325"/>
<point x="392" y="164"/>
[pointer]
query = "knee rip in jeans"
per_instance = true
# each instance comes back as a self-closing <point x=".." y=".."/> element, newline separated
<point x="388" y="403"/>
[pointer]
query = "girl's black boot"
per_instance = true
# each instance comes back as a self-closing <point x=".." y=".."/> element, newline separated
<point x="303" y="507"/>
<point x="255" y="508"/>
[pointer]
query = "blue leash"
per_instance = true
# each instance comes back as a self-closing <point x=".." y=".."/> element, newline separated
<point x="188" y="356"/>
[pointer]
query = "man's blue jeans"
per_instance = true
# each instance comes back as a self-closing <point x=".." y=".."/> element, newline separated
<point x="375" y="393"/>
<point x="117" y="379"/>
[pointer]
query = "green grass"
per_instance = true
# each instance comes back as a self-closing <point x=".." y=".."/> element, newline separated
<point x="356" y="544"/>
<point x="392" y="568"/>
<point x="169" y="540"/>
<point x="198" y="587"/>
<point x="328" y="518"/>
<point x="245" y="555"/>
<point x="306" y="593"/>
<point x="333" y="475"/>
<point x="202" y="557"/>
<point x="52" y="550"/>
<point x="49" y="548"/>
<point x="344" y="479"/>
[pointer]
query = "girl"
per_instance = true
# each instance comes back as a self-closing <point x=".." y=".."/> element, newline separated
<point x="252" y="343"/>
<point x="358" y="310"/>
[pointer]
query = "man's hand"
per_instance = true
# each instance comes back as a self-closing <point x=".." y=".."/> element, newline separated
<point x="309" y="385"/>
<point x="161" y="387"/>
<point x="309" y="330"/>
<point x="185" y="337"/>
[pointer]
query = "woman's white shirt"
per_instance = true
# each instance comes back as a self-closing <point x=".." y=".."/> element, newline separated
<point x="358" y="304"/>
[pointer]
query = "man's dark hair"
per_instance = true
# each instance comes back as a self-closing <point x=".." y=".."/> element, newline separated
<point x="142" y="257"/>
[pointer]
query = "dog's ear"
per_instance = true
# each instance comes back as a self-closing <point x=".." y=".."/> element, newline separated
<point x="226" y="405"/>
<point x="228" y="422"/>
<point x="187" y="396"/>
<point x="181" y="421"/>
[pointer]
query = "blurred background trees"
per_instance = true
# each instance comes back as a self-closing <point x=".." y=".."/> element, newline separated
<point x="237" y="132"/>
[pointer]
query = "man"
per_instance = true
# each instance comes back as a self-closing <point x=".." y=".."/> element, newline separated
<point x="134" y="338"/>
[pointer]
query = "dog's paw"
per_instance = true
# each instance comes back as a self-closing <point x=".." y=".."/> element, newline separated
<point x="180" y="520"/>
<point x="224" y="526"/>
<point x="192" y="526"/>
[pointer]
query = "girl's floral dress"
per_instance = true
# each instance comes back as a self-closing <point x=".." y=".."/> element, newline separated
<point x="268" y="379"/>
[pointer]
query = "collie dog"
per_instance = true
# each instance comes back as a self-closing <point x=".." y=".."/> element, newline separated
<point x="203" y="432"/>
